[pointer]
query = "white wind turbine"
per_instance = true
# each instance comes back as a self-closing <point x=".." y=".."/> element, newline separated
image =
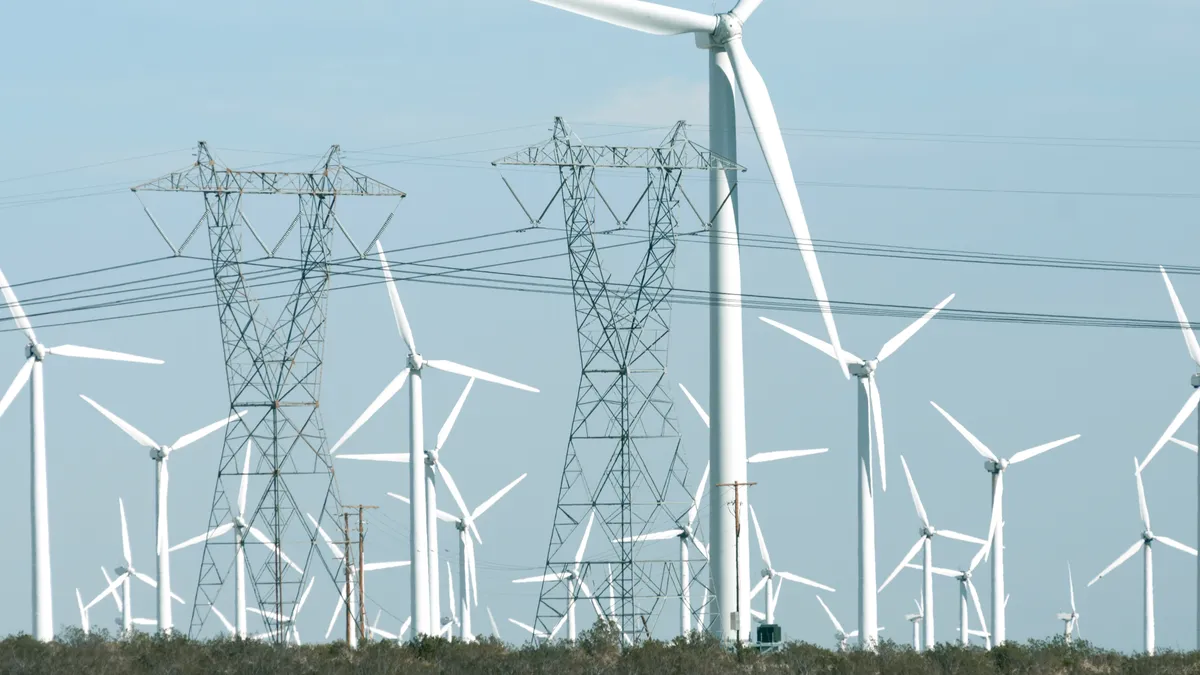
<point x="925" y="543"/>
<point x="465" y="524"/>
<point x="1193" y="348"/>
<point x="1144" y="542"/>
<point x="421" y="482"/>
<point x="770" y="574"/>
<point x="285" y="625"/>
<point x="241" y="528"/>
<point x="916" y="620"/>
<point x="35" y="354"/>
<point x="1070" y="619"/>
<point x="870" y="413"/>
<point x="575" y="586"/>
<point x="159" y="454"/>
<point x="966" y="594"/>
<point x="997" y="468"/>
<point x="842" y="636"/>
<point x="398" y="637"/>
<point x="729" y="67"/>
<point x="125" y="575"/>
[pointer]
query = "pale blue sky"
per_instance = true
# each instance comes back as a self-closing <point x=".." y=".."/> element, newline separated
<point x="87" y="84"/>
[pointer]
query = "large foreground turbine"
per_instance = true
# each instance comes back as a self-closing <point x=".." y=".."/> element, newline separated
<point x="36" y="353"/>
<point x="729" y="67"/>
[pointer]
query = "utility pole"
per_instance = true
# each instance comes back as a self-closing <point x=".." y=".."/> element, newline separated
<point x="356" y="622"/>
<point x="735" y="619"/>
<point x="346" y="543"/>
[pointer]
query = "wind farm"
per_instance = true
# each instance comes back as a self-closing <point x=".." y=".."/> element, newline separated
<point x="557" y="255"/>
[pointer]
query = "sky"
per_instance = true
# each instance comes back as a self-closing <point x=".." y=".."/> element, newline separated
<point x="930" y="124"/>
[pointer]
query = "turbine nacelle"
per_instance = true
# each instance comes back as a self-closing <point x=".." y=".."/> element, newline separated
<point x="415" y="362"/>
<point x="928" y="531"/>
<point x="995" y="467"/>
<point x="863" y="369"/>
<point x="1148" y="536"/>
<point x="159" y="454"/>
<point x="36" y="351"/>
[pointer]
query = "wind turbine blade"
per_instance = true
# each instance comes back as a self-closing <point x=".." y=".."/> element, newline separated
<point x="394" y="457"/>
<point x="695" y="404"/>
<point x="1129" y="553"/>
<point x="211" y="534"/>
<point x="912" y="488"/>
<point x="824" y="347"/>
<point x="997" y="503"/>
<point x="143" y="622"/>
<point x="1182" y="415"/>
<point x="1142" y="510"/>
<point x="337" y="609"/>
<point x="402" y="498"/>
<point x="762" y="583"/>
<point x="17" y="383"/>
<point x="245" y="483"/>
<point x="462" y="506"/>
<point x="141" y="438"/>
<point x="642" y="16"/>
<point x="766" y="127"/>
<point x="979" y="555"/>
<point x="959" y="536"/>
<point x="384" y="396"/>
<point x="391" y="564"/>
<point x="1071" y="585"/>
<point x="188" y="439"/>
<point x="450" y="592"/>
<point x="940" y="571"/>
<point x="776" y="455"/>
<point x="903" y="336"/>
<point x="558" y="626"/>
<point x="775" y="594"/>
<point x="1175" y="544"/>
<point x="394" y="297"/>
<point x="225" y="622"/>
<point x="877" y="418"/>
<point x="472" y="574"/>
<point x="1189" y="446"/>
<point x="146" y="579"/>
<point x="554" y="576"/>
<point x="700" y="547"/>
<point x="338" y="553"/>
<point x="467" y="371"/>
<point x="745" y="8"/>
<point x="587" y="532"/>
<point x="978" y="605"/>
<point x="444" y="433"/>
<point x="14" y="308"/>
<point x="975" y="442"/>
<point x="1189" y="337"/>
<point x="404" y="628"/>
<point x="75" y="351"/>
<point x="125" y="535"/>
<point x="912" y="553"/>
<point x="651" y="536"/>
<point x="533" y="631"/>
<point x="262" y="538"/>
<point x="836" y="624"/>
<point x="807" y="582"/>
<point x="587" y="593"/>
<point x="382" y="634"/>
<point x="303" y="598"/>
<point x="491" y="501"/>
<point x="492" y="620"/>
<point x="83" y="617"/>
<point x="1035" y="451"/>
<point x="112" y="590"/>
<point x="757" y="614"/>
<point x="762" y="543"/>
<point x="694" y="509"/>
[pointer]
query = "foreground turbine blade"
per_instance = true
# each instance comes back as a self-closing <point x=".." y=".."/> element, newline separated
<point x="694" y="509"/>
<point x="912" y="488"/>
<point x="391" y="564"/>
<point x="903" y="336"/>
<point x="125" y="535"/>
<point x="643" y="16"/>
<point x="491" y="501"/>
<point x="528" y="628"/>
<point x="1190" y="446"/>
<point x="877" y="419"/>
<point x="555" y="576"/>
<point x="766" y="127"/>
<point x="1189" y="337"/>
<point x="1182" y="415"/>
<point x="14" y="307"/>
<point x="188" y="439"/>
<point x="245" y="483"/>
<point x="776" y="455"/>
<point x="1129" y="553"/>
<point x="807" y="582"/>
<point x="745" y="8"/>
<point x="467" y="371"/>
<point x="811" y="341"/>
<point x="1142" y="510"/>
<point x="653" y="536"/>
<point x="17" y="383"/>
<point x="980" y="555"/>
<point x="587" y="532"/>
<point x="394" y="297"/>
<point x="141" y="438"/>
<point x="978" y="605"/>
<point x="695" y="404"/>
<point x="762" y="544"/>
<point x="959" y="536"/>
<point x="492" y="619"/>
<point x="395" y="457"/>
<point x="75" y="351"/>
<point x="384" y="396"/>
<point x="1174" y="544"/>
<point x="1035" y="451"/>
<point x="112" y="590"/>
<point x="262" y="538"/>
<point x="912" y="553"/>
<point x="975" y="442"/>
<point x="836" y="624"/>
<point x="762" y="583"/>
<point x="462" y="506"/>
<point x="1071" y="585"/>
<point x="225" y="622"/>
<point x="211" y="534"/>
<point x="997" y="502"/>
<point x="444" y="433"/>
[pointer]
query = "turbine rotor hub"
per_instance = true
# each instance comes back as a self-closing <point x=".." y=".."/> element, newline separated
<point x="158" y="454"/>
<point x="35" y="351"/>
<point x="415" y="363"/>
<point x="729" y="28"/>
<point x="1148" y="536"/>
<point x="862" y="369"/>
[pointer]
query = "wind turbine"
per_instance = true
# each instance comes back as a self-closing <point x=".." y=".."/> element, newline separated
<point x="997" y="467"/>
<point x="966" y="589"/>
<point x="421" y="483"/>
<point x="916" y="620"/>
<point x="159" y="454"/>
<point x="1193" y="348"/>
<point x="1070" y="619"/>
<point x="492" y="620"/>
<point x="285" y="624"/>
<point x="240" y="528"/>
<point x="465" y="524"/>
<point x="729" y="66"/>
<point x="575" y="585"/>
<point x="925" y="543"/>
<point x="870" y="413"/>
<point x="35" y="354"/>
<point x="842" y="636"/>
<point x="1144" y="542"/>
<point x="383" y="634"/>
<point x="770" y="574"/>
<point x="125" y="574"/>
<point x="84" y="624"/>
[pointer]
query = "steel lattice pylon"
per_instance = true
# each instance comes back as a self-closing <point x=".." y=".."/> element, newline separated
<point x="624" y="460"/>
<point x="273" y="368"/>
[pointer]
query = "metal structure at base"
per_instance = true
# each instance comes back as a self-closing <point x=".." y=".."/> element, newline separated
<point x="624" y="474"/>
<point x="273" y="367"/>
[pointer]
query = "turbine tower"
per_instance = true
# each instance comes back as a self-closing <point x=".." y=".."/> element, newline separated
<point x="273" y="364"/>
<point x="729" y="66"/>
<point x="624" y="461"/>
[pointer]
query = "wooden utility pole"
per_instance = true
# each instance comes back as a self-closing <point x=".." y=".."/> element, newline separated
<point x="346" y="541"/>
<point x="737" y="549"/>
<point x="356" y="624"/>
